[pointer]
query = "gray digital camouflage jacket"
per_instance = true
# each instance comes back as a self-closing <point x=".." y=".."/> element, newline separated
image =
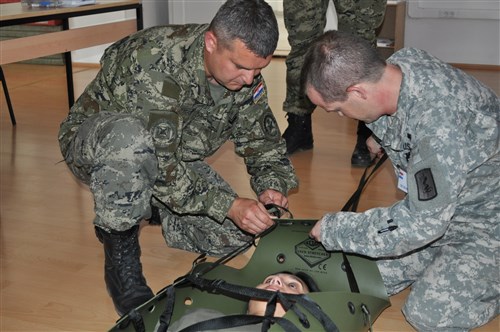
<point x="158" y="76"/>
<point x="445" y="136"/>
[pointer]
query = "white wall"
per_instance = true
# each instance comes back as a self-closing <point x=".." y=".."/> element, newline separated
<point x="155" y="12"/>
<point x="202" y="11"/>
<point x="455" y="31"/>
<point x="192" y="11"/>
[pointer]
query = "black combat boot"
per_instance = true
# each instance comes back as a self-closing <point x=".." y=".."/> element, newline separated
<point x="361" y="155"/>
<point x="123" y="269"/>
<point x="298" y="134"/>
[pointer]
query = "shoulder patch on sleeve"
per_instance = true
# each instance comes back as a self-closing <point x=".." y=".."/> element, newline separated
<point x="426" y="187"/>
<point x="270" y="126"/>
<point x="164" y="129"/>
<point x="171" y="89"/>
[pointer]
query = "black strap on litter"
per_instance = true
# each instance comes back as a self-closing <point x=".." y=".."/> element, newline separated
<point x="283" y="322"/>
<point x="288" y="306"/>
<point x="137" y="320"/>
<point x="352" y="205"/>
<point x="277" y="210"/>
<point x="166" y="316"/>
<point x="353" y="284"/>
<point x="232" y="321"/>
<point x="288" y="301"/>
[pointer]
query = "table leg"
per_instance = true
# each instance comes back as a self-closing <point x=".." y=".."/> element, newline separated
<point x="69" y="70"/>
<point x="7" y="97"/>
<point x="138" y="14"/>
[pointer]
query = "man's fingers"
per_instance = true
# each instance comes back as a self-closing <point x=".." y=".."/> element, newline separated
<point x="315" y="232"/>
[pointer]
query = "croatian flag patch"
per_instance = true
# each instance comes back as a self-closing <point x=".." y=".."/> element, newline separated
<point x="258" y="92"/>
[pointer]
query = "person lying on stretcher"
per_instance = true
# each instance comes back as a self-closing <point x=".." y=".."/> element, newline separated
<point x="284" y="282"/>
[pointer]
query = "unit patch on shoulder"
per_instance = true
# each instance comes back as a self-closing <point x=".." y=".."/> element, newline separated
<point x="270" y="126"/>
<point x="426" y="187"/>
<point x="258" y="92"/>
<point x="170" y="88"/>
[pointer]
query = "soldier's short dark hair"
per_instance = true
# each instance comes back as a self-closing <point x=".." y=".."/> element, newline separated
<point x="251" y="21"/>
<point x="337" y="60"/>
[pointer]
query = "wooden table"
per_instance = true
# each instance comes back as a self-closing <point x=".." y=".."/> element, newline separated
<point x="67" y="40"/>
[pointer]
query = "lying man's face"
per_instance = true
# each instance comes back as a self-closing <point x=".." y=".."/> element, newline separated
<point x="283" y="282"/>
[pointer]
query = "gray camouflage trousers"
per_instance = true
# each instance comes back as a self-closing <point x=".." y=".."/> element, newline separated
<point x="455" y="282"/>
<point x="114" y="154"/>
<point x="305" y="20"/>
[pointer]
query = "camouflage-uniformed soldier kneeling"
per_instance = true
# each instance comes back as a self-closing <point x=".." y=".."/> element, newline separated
<point x="440" y="128"/>
<point x="164" y="100"/>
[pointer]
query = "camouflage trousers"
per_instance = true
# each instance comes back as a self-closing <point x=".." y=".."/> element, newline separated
<point x="202" y="234"/>
<point x="305" y="20"/>
<point x="450" y="290"/>
<point x="114" y="154"/>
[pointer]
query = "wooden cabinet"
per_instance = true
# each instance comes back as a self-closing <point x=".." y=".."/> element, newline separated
<point x="391" y="34"/>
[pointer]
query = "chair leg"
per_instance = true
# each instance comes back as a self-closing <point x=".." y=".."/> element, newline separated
<point x="7" y="97"/>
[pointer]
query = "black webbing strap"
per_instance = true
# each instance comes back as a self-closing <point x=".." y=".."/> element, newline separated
<point x="169" y="309"/>
<point x="137" y="320"/>
<point x="352" y="205"/>
<point x="283" y="322"/>
<point x="232" y="321"/>
<point x="353" y="284"/>
<point x="287" y="300"/>
<point x="288" y="305"/>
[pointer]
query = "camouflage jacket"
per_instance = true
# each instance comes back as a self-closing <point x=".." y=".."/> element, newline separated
<point x="445" y="136"/>
<point x="158" y="75"/>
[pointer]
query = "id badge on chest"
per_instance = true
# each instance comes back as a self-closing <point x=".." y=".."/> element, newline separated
<point x="402" y="180"/>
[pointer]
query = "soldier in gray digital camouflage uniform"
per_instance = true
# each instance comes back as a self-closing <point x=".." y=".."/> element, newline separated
<point x="164" y="100"/>
<point x="305" y="21"/>
<point x="440" y="129"/>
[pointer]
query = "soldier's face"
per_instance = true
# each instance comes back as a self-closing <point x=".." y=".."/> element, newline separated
<point x="283" y="282"/>
<point x="232" y="67"/>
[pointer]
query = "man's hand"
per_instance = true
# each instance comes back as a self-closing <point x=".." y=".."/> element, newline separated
<point x="315" y="232"/>
<point x="271" y="196"/>
<point x="250" y="215"/>
<point x="375" y="149"/>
